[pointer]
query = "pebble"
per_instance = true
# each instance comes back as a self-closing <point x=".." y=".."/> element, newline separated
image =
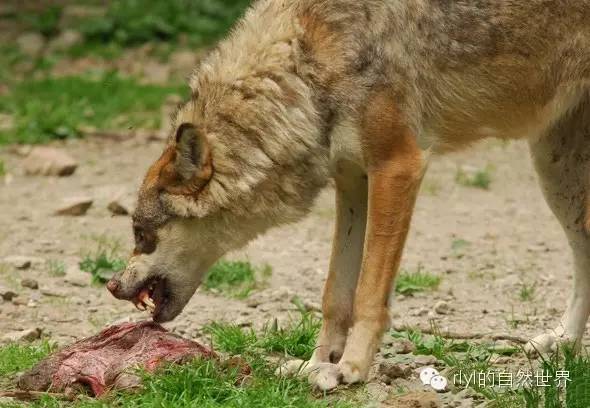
<point x="29" y="283"/>
<point x="19" y="262"/>
<point x="23" y="335"/>
<point x="415" y="400"/>
<point x="403" y="346"/>
<point x="49" y="161"/>
<point x="392" y="371"/>
<point x="117" y="208"/>
<point x="7" y="294"/>
<point x="376" y="392"/>
<point x="75" y="207"/>
<point x="442" y="308"/>
<point x="53" y="293"/>
<point x="31" y="43"/>
<point x="66" y="39"/>
<point x="425" y="360"/>
<point x="75" y="277"/>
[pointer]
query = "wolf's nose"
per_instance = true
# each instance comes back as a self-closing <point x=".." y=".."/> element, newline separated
<point x="113" y="286"/>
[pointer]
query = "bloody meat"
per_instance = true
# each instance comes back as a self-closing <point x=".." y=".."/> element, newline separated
<point x="107" y="360"/>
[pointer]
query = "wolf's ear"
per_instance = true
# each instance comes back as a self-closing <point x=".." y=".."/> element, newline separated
<point x="192" y="162"/>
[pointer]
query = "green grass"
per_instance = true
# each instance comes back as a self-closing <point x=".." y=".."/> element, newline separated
<point x="58" y="108"/>
<point x="481" y="178"/>
<point x="408" y="283"/>
<point x="461" y="357"/>
<point x="459" y="247"/>
<point x="297" y="339"/>
<point x="104" y="261"/>
<point x="2" y="168"/>
<point x="211" y="384"/>
<point x="15" y="357"/>
<point x="235" y="278"/>
<point x="45" y="21"/>
<point x="56" y="269"/>
<point x="133" y="22"/>
<point x="464" y="357"/>
<point x="527" y="292"/>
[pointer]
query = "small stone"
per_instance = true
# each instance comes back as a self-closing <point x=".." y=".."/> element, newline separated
<point x="415" y="400"/>
<point x="49" y="161"/>
<point x="393" y="371"/>
<point x="23" y="335"/>
<point x="420" y="312"/>
<point x="75" y="277"/>
<point x="75" y="207"/>
<point x="116" y="208"/>
<point x="253" y="302"/>
<point x="156" y="73"/>
<point x="442" y="308"/>
<point x="503" y="360"/>
<point x="19" y="262"/>
<point x="29" y="283"/>
<point x="311" y="306"/>
<point x="53" y="293"/>
<point x="19" y="302"/>
<point x="425" y="360"/>
<point x="403" y="346"/>
<point x="31" y="43"/>
<point x="7" y="294"/>
<point x="66" y="39"/>
<point x="376" y="392"/>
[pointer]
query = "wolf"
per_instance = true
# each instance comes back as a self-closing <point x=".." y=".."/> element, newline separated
<point x="363" y="93"/>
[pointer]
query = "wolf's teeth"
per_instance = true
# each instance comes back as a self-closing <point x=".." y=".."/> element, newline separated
<point x="149" y="302"/>
<point x="140" y="306"/>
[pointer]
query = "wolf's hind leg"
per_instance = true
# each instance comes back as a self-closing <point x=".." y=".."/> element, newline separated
<point x="562" y="161"/>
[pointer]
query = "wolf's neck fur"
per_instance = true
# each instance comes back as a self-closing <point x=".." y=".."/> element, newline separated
<point x="268" y="142"/>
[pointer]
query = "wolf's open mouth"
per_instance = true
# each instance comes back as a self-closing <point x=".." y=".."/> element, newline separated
<point x="152" y="296"/>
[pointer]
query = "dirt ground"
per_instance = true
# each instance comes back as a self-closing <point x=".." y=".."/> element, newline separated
<point x="508" y="238"/>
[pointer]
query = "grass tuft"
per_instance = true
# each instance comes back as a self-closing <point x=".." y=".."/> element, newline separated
<point x="104" y="261"/>
<point x="2" y="169"/>
<point x="527" y="292"/>
<point x="409" y="283"/>
<point x="235" y="278"/>
<point x="481" y="178"/>
<point x="16" y="357"/>
<point x="59" y="108"/>
<point x="296" y="339"/>
<point x="56" y="269"/>
<point x="133" y="22"/>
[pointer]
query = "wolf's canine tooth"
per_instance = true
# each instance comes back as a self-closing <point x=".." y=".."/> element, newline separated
<point x="149" y="302"/>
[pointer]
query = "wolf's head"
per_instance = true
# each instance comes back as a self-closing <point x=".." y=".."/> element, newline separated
<point x="212" y="190"/>
<point x="249" y="151"/>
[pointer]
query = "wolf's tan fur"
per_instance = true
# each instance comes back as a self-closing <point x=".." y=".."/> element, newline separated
<point x="364" y="92"/>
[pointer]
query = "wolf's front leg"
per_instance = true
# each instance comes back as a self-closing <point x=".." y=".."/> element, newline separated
<point x="395" y="169"/>
<point x="345" y="265"/>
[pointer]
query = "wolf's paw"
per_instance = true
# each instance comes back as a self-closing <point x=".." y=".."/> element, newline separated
<point x="327" y="376"/>
<point x="548" y="342"/>
<point x="294" y="368"/>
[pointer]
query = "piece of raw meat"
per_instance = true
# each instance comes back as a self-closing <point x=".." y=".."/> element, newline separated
<point x="107" y="360"/>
